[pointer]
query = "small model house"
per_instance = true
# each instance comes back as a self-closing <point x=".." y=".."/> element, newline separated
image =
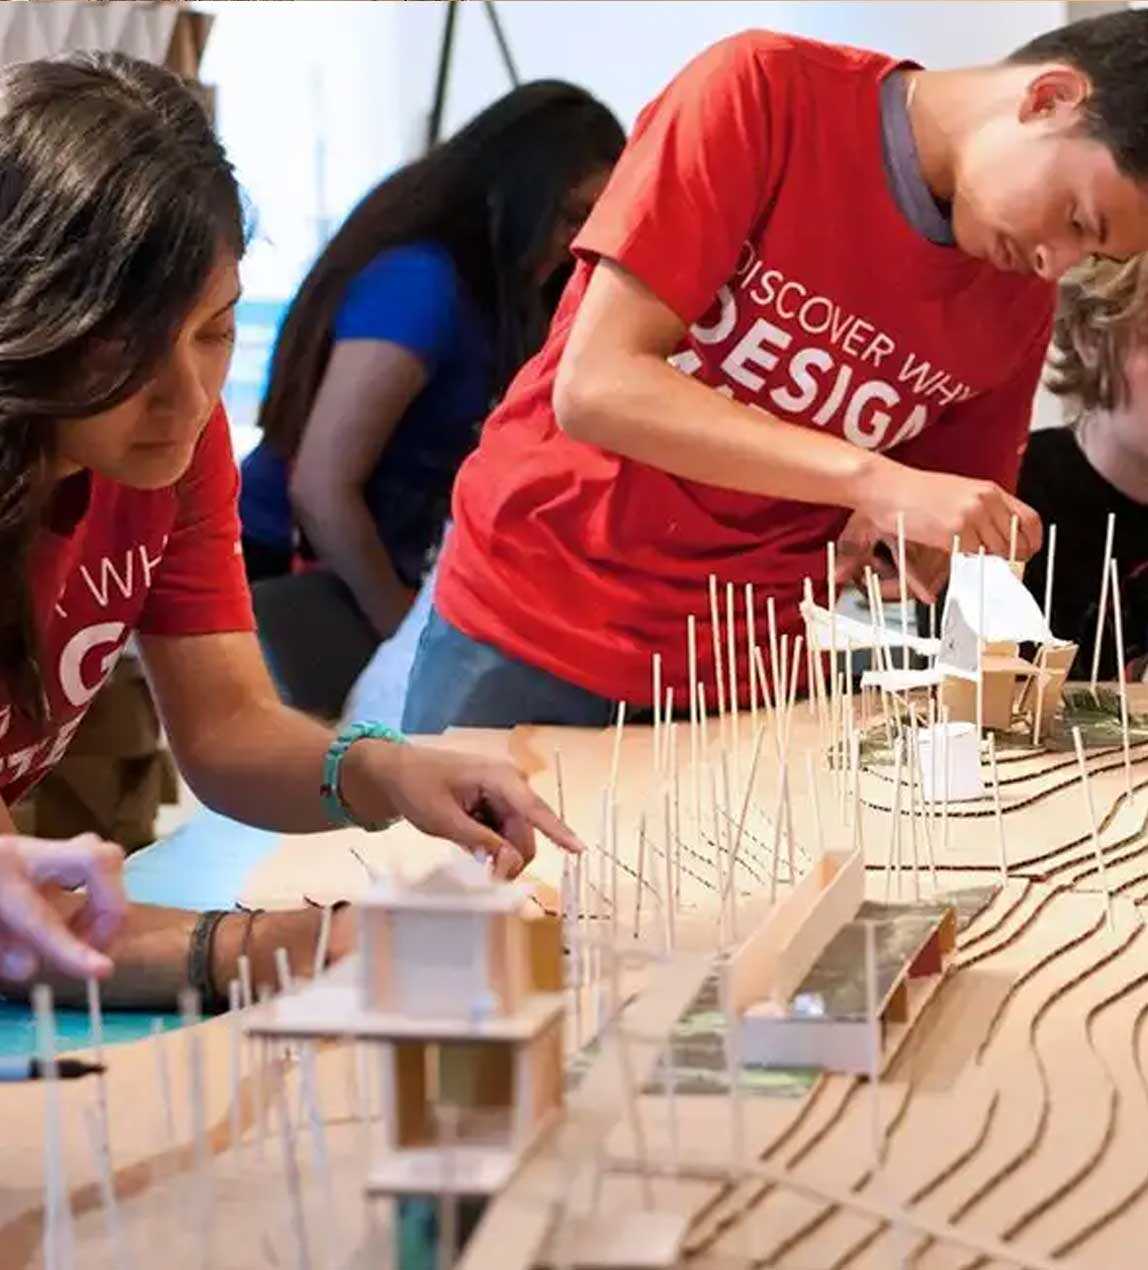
<point x="459" y="977"/>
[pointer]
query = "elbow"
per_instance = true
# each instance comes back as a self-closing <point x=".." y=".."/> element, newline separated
<point x="316" y="495"/>
<point x="579" y="402"/>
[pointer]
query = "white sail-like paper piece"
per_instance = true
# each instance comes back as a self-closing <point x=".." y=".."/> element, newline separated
<point x="1010" y="611"/>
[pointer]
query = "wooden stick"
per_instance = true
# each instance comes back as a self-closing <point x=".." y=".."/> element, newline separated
<point x="1038" y="713"/>
<point x="945" y="715"/>
<point x="727" y="818"/>
<point x="291" y="1174"/>
<point x="981" y="656"/>
<point x="932" y="791"/>
<point x="703" y="723"/>
<point x="815" y="802"/>
<point x="59" y="1241"/>
<point x="874" y="1020"/>
<point x="778" y="685"/>
<point x="1079" y="744"/>
<point x="234" y="1065"/>
<point x="715" y="636"/>
<point x="677" y="789"/>
<point x="561" y="793"/>
<point x="244" y="964"/>
<point x="97" y="1140"/>
<point x="750" y="645"/>
<point x="96" y="1024"/>
<point x="790" y="840"/>
<point x="657" y="739"/>
<point x="778" y="821"/>
<point x="613" y="870"/>
<point x="1013" y="527"/>
<point x="717" y="850"/>
<point x="858" y="834"/>
<point x="164" y="1079"/>
<point x="641" y="874"/>
<point x="733" y="1068"/>
<point x="831" y="597"/>
<point x="763" y="683"/>
<point x="730" y="883"/>
<point x="1120" y="677"/>
<point x="317" y="1134"/>
<point x="190" y="1016"/>
<point x="903" y="589"/>
<point x="283" y="970"/>
<point x="616" y="755"/>
<point x="998" y="813"/>
<point x="1051" y="562"/>
<point x="731" y="667"/>
<point x="914" y="760"/>
<point x="692" y="652"/>
<point x="667" y="724"/>
<point x="1100" y="616"/>
<point x="669" y="905"/>
<point x="895" y="822"/>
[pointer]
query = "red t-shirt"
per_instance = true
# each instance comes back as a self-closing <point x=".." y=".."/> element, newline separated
<point x="753" y="200"/>
<point x="160" y="562"/>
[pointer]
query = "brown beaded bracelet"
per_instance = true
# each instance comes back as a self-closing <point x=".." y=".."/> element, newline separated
<point x="212" y="1001"/>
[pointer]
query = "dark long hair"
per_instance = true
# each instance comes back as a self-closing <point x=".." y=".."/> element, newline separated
<point x="115" y="201"/>
<point x="492" y="195"/>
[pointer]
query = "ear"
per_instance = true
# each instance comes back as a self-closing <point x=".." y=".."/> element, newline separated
<point x="1055" y="91"/>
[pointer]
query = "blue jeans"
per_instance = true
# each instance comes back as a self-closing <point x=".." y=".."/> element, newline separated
<point x="458" y="682"/>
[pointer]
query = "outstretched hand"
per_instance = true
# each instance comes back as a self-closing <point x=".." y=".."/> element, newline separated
<point x="33" y="930"/>
<point x="926" y="568"/>
<point x="484" y="805"/>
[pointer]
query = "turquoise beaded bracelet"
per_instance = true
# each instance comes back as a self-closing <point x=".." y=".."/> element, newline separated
<point x="333" y="802"/>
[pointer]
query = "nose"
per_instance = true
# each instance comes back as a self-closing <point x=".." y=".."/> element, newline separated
<point x="178" y="389"/>
<point x="1052" y="261"/>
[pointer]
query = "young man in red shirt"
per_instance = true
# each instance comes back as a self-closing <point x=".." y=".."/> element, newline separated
<point x="816" y="293"/>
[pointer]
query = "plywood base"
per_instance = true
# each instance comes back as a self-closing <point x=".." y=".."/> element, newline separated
<point x="642" y="1240"/>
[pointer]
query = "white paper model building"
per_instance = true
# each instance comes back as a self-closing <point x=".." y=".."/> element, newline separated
<point x="459" y="977"/>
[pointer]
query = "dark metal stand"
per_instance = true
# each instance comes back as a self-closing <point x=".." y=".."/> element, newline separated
<point x="445" y="56"/>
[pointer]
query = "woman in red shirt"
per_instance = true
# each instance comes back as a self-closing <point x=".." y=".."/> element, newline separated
<point x="815" y="295"/>
<point x="120" y="235"/>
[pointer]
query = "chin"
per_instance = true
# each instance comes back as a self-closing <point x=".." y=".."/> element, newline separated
<point x="154" y="468"/>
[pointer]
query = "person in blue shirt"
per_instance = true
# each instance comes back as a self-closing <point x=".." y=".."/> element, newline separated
<point x="409" y="326"/>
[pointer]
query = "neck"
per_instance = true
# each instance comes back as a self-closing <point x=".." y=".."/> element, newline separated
<point x="1099" y="438"/>
<point x="946" y="108"/>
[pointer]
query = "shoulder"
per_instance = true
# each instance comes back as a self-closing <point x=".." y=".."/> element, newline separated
<point x="782" y="74"/>
<point x="427" y="264"/>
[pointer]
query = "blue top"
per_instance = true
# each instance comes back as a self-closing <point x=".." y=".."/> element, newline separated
<point x="412" y="296"/>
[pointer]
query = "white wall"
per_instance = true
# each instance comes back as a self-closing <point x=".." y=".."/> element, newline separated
<point x="319" y="99"/>
<point x="625" y="50"/>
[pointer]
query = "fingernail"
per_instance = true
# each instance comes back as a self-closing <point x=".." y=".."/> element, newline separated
<point x="17" y="965"/>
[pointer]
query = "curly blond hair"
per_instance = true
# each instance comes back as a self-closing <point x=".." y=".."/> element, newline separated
<point x="1103" y="311"/>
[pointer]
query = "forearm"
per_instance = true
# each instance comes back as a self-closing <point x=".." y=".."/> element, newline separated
<point x="262" y="765"/>
<point x="344" y="535"/>
<point x="650" y="412"/>
<point x="151" y="955"/>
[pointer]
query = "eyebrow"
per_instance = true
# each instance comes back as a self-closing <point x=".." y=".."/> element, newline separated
<point x="229" y="305"/>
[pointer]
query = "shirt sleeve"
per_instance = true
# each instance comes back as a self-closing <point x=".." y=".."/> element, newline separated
<point x="695" y="179"/>
<point x="408" y="296"/>
<point x="200" y="587"/>
<point x="985" y="438"/>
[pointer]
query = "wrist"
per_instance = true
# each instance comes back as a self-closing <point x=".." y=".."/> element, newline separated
<point x="364" y="780"/>
<point x="865" y="479"/>
<point x="258" y="936"/>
